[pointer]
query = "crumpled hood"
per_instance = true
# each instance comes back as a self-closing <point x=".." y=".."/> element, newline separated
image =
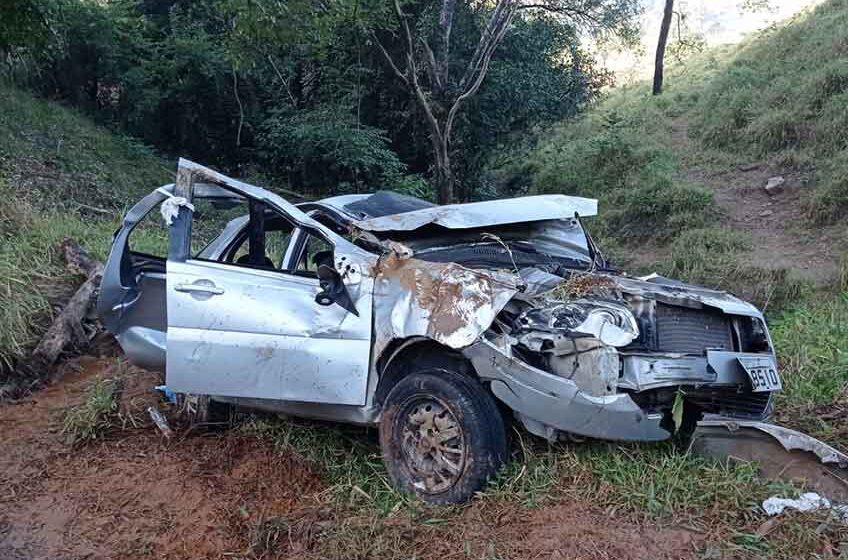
<point x="679" y="293"/>
<point x="660" y="288"/>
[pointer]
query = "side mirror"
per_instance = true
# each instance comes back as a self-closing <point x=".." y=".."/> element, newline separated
<point x="333" y="290"/>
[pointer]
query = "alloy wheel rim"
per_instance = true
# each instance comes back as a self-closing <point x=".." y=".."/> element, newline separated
<point x="432" y="445"/>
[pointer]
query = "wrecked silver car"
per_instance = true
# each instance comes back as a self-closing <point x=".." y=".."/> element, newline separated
<point x="436" y="323"/>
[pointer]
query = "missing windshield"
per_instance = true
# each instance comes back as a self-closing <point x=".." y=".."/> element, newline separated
<point x="515" y="245"/>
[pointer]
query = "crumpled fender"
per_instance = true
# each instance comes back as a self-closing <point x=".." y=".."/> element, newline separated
<point x="446" y="302"/>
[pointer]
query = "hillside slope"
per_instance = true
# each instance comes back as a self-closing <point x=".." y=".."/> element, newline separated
<point x="701" y="154"/>
<point x="60" y="176"/>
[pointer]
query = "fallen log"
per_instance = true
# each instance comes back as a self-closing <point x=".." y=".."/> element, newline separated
<point x="67" y="329"/>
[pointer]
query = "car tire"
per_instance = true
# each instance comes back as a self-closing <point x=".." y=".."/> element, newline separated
<point x="442" y="436"/>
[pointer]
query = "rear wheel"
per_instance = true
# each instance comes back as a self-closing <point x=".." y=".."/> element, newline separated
<point x="442" y="436"/>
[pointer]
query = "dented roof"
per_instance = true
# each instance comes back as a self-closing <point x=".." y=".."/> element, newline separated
<point x="486" y="213"/>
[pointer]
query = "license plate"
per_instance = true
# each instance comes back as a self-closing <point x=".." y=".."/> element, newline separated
<point x="762" y="373"/>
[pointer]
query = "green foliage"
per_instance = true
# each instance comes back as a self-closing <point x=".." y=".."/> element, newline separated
<point x="23" y="24"/>
<point x="215" y="79"/>
<point x="715" y="257"/>
<point x="317" y="149"/>
<point x="93" y="417"/>
<point x="620" y="153"/>
<point x="812" y="342"/>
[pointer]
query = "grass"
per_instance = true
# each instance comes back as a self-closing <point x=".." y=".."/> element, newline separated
<point x="714" y="257"/>
<point x="783" y="95"/>
<point x="349" y="457"/>
<point x="93" y="417"/>
<point x="60" y="176"/>
<point x="363" y="517"/>
<point x="812" y="345"/>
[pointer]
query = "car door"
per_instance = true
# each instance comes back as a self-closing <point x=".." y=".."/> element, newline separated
<point x="131" y="302"/>
<point x="258" y="332"/>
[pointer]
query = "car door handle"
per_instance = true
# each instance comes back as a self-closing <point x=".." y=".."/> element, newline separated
<point x="208" y="288"/>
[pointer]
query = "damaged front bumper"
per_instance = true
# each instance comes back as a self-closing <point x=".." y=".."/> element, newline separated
<point x="546" y="403"/>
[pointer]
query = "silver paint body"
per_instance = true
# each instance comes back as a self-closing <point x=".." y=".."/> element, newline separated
<point x="257" y="337"/>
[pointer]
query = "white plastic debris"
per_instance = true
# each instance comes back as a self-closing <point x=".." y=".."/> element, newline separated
<point x="809" y="501"/>
<point x="160" y="421"/>
<point x="170" y="207"/>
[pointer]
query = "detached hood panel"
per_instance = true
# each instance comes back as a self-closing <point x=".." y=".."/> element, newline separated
<point x="487" y="213"/>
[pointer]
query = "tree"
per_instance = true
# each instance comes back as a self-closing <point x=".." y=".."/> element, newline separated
<point x="430" y="55"/>
<point x="659" y="60"/>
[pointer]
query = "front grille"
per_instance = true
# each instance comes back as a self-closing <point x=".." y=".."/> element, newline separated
<point x="691" y="331"/>
<point x="729" y="402"/>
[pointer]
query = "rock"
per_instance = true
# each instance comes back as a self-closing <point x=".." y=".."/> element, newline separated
<point x="775" y="185"/>
<point x="766" y="213"/>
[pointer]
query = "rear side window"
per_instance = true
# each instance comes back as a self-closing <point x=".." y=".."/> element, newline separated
<point x="211" y="217"/>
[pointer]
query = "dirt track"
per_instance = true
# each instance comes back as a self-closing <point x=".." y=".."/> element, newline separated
<point x="134" y="495"/>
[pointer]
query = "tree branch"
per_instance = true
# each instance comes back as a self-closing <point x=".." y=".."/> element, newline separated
<point x="283" y="80"/>
<point x="483" y="70"/>
<point x="431" y="63"/>
<point x="240" y="106"/>
<point x="389" y="59"/>
<point x="446" y="25"/>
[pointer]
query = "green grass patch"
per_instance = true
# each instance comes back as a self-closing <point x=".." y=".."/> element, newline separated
<point x="783" y="94"/>
<point x="95" y="416"/>
<point x="715" y="257"/>
<point x="349" y="457"/>
<point x="621" y="153"/>
<point x="32" y="273"/>
<point x="812" y="346"/>
<point x="58" y="158"/>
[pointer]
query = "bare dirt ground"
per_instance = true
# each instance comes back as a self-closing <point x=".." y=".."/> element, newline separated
<point x="134" y="494"/>
<point x="781" y="234"/>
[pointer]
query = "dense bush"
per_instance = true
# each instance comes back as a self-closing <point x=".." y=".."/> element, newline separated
<point x="270" y="86"/>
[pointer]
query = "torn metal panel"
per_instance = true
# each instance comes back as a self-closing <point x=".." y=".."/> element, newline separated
<point x="448" y="303"/>
<point x="781" y="453"/>
<point x="487" y="213"/>
<point x="789" y="439"/>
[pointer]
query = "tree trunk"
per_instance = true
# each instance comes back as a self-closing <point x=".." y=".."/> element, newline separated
<point x="660" y="57"/>
<point x="67" y="328"/>
<point x="443" y="176"/>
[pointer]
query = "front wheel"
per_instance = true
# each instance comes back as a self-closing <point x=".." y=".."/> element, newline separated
<point x="442" y="436"/>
